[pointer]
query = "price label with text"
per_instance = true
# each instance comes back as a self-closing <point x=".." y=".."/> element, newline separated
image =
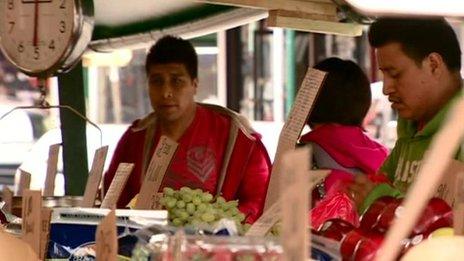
<point x="159" y="163"/>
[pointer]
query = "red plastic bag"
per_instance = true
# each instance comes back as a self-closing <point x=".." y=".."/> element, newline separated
<point x="336" y="205"/>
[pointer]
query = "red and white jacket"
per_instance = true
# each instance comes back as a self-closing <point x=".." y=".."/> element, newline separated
<point x="219" y="152"/>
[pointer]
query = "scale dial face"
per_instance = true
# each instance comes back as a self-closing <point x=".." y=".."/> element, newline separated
<point x="36" y="35"/>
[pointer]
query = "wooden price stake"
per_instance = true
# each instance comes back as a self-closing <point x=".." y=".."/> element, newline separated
<point x="265" y="222"/>
<point x="45" y="217"/>
<point x="31" y="223"/>
<point x="304" y="103"/>
<point x="447" y="190"/>
<point x="49" y="188"/>
<point x="159" y="163"/>
<point x="106" y="238"/>
<point x="273" y="214"/>
<point x="295" y="204"/>
<point x="94" y="178"/>
<point x="441" y="151"/>
<point x="458" y="209"/>
<point x="24" y="181"/>
<point x="316" y="176"/>
<point x="117" y="185"/>
<point x="7" y="196"/>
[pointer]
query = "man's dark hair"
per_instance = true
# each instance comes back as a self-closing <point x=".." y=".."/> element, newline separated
<point x="418" y="38"/>
<point x="345" y="96"/>
<point x="172" y="49"/>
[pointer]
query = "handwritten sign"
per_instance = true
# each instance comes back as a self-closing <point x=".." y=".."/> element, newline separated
<point x="304" y="103"/>
<point x="94" y="178"/>
<point x="24" y="181"/>
<point x="295" y="204"/>
<point x="45" y="217"/>
<point x="117" y="185"/>
<point x="49" y="188"/>
<point x="268" y="219"/>
<point x="458" y="209"/>
<point x="7" y="196"/>
<point x="106" y="238"/>
<point x="273" y="214"/>
<point x="31" y="212"/>
<point x="447" y="190"/>
<point x="159" y="163"/>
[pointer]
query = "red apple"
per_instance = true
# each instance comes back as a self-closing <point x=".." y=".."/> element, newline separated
<point x="360" y="245"/>
<point x="386" y="217"/>
<point x="437" y="214"/>
<point x="368" y="247"/>
<point x="370" y="218"/>
<point x="335" y="229"/>
<point x="350" y="243"/>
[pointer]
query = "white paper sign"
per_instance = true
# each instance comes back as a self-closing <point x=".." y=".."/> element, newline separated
<point x="159" y="163"/>
<point x="295" y="204"/>
<point x="273" y="214"/>
<point x="117" y="185"/>
<point x="264" y="223"/>
<point x="94" y="178"/>
<point x="31" y="222"/>
<point x="24" y="181"/>
<point x="49" y="188"/>
<point x="304" y="103"/>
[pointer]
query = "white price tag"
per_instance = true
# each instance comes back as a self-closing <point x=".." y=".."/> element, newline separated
<point x="264" y="223"/>
<point x="31" y="222"/>
<point x="159" y="163"/>
<point x="117" y="185"/>
<point x="295" y="204"/>
<point x="49" y="188"/>
<point x="94" y="178"/>
<point x="24" y="181"/>
<point x="304" y="103"/>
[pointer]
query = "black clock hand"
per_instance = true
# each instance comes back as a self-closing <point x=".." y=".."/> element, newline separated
<point x="36" y="22"/>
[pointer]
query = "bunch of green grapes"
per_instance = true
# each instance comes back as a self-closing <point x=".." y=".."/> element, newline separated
<point x="194" y="207"/>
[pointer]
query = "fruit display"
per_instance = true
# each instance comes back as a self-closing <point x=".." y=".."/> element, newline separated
<point x="362" y="243"/>
<point x="231" y="248"/>
<point x="195" y="207"/>
<point x="335" y="229"/>
<point x="380" y="215"/>
<point x="207" y="248"/>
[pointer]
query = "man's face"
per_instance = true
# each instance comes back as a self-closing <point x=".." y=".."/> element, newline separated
<point x="171" y="91"/>
<point x="411" y="88"/>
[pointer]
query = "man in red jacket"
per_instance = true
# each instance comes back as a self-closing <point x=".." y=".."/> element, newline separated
<point x="218" y="151"/>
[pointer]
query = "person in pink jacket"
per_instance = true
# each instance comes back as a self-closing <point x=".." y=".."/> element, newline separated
<point x="337" y="137"/>
<point x="218" y="151"/>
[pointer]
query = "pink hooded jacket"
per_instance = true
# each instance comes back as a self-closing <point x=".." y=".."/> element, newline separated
<point x="351" y="149"/>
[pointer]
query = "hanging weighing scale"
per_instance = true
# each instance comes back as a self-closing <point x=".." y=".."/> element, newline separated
<point x="43" y="38"/>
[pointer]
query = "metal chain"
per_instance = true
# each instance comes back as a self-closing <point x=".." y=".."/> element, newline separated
<point x="42" y="84"/>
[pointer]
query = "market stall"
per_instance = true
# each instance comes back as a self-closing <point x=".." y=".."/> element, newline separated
<point x="189" y="223"/>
